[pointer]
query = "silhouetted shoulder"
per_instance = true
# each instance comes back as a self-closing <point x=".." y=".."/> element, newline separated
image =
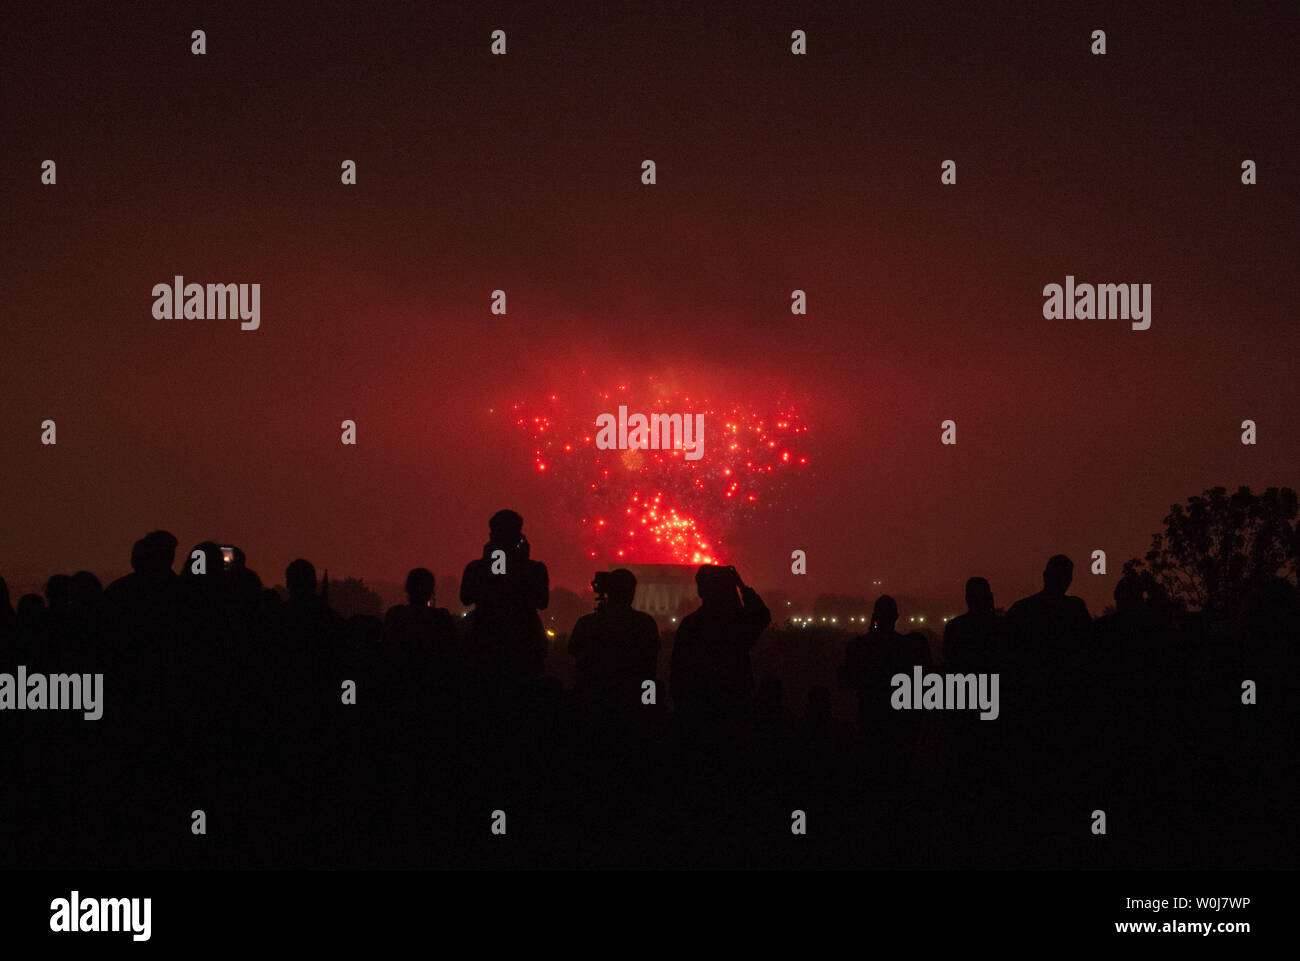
<point x="470" y="582"/>
<point x="916" y="649"/>
<point x="584" y="630"/>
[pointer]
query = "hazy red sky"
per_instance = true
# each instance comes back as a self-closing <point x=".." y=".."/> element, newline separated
<point x="522" y="172"/>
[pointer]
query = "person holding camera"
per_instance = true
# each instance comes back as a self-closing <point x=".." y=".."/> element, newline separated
<point x="712" y="678"/>
<point x="615" y="649"/>
<point x="507" y="643"/>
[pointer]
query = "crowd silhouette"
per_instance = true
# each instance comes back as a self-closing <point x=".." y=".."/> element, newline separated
<point x="311" y="740"/>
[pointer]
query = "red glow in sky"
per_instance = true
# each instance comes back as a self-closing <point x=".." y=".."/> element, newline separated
<point x="657" y="506"/>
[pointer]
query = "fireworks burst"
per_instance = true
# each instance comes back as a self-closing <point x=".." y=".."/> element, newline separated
<point x="658" y="506"/>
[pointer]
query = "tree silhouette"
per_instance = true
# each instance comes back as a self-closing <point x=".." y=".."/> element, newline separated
<point x="350" y="596"/>
<point x="1218" y="546"/>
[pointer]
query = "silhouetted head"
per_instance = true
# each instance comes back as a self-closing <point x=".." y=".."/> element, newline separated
<point x="85" y="592"/>
<point x="885" y="614"/>
<point x="140" y="556"/>
<point x="620" y="587"/>
<point x="419" y="587"/>
<point x="212" y="575"/>
<point x="56" y="592"/>
<point x="300" y="580"/>
<point x="1128" y="593"/>
<point x="505" y="527"/>
<point x="1057" y="574"/>
<point x="979" y="596"/>
<point x="30" y="608"/>
<point x="716" y="584"/>
<point x="154" y="553"/>
<point x="5" y="606"/>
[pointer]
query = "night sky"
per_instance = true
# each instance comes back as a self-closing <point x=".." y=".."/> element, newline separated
<point x="523" y="173"/>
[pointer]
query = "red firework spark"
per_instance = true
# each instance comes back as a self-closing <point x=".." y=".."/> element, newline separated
<point x="657" y="506"/>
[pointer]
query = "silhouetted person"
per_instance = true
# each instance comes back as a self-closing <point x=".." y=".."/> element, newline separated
<point x="615" y="649"/>
<point x="151" y="590"/>
<point x="872" y="659"/>
<point x="712" y="678"/>
<point x="506" y="588"/>
<point x="1051" y="634"/>
<point x="243" y="587"/>
<point x="203" y="585"/>
<point x="889" y="736"/>
<point x="418" y="643"/>
<point x="312" y="632"/>
<point x="85" y="604"/>
<point x="56" y="595"/>
<point x="1133" y="638"/>
<point x="300" y="582"/>
<point x="308" y="658"/>
<point x="29" y="615"/>
<point x="1121" y="633"/>
<point x="973" y="642"/>
<point x="418" y="622"/>
<point x="85" y="594"/>
<point x="1050" y="627"/>
<point x="26" y="639"/>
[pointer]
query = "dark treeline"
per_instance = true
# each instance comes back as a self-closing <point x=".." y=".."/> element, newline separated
<point x="309" y="740"/>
